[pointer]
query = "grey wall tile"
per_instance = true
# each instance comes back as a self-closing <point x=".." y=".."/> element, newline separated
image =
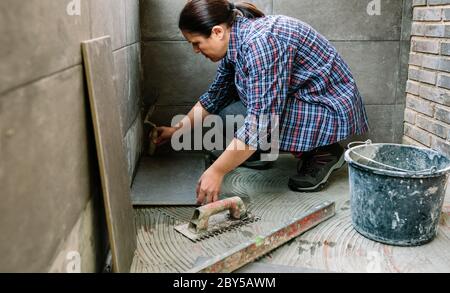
<point x="407" y="16"/>
<point x="163" y="114"/>
<point x="346" y="19"/>
<point x="37" y="39"/>
<point x="174" y="74"/>
<point x="133" y="145"/>
<point x="172" y="71"/>
<point x="177" y="76"/>
<point x="45" y="173"/>
<point x="381" y="121"/>
<point x="375" y="67"/>
<point x="127" y="81"/>
<point x="48" y="164"/>
<point x="403" y="72"/>
<point x="108" y="18"/>
<point x="159" y="18"/>
<point x="397" y="123"/>
<point x="132" y="24"/>
<point x="80" y="239"/>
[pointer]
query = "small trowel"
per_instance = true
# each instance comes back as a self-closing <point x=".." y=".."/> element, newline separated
<point x="153" y="134"/>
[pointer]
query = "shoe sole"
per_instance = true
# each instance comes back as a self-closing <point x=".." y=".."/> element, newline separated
<point x="319" y="186"/>
<point x="257" y="165"/>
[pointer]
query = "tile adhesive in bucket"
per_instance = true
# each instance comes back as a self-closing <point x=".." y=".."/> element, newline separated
<point x="397" y="192"/>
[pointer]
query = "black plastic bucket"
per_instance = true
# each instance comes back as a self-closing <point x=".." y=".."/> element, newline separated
<point x="397" y="192"/>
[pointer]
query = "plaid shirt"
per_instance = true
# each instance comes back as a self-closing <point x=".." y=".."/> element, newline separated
<point x="282" y="66"/>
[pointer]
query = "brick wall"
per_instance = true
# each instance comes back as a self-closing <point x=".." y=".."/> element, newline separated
<point x="427" y="112"/>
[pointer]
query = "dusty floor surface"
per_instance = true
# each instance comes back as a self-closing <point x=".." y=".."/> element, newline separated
<point x="332" y="246"/>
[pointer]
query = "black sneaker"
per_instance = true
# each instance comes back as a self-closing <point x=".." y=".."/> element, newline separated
<point x="316" y="167"/>
<point x="254" y="162"/>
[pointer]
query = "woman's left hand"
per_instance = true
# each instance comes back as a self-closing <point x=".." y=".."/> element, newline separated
<point x="208" y="186"/>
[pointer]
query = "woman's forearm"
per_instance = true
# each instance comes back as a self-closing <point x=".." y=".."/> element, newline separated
<point x="197" y="112"/>
<point x="233" y="156"/>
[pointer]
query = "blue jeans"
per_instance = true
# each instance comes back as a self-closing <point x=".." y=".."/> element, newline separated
<point x="238" y="108"/>
<point x="235" y="108"/>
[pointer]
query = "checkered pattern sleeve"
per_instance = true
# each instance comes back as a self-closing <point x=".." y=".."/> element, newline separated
<point x="216" y="97"/>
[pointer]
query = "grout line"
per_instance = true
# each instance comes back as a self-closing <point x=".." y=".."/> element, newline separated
<point x="124" y="47"/>
<point x="40" y="78"/>
<point x="132" y="123"/>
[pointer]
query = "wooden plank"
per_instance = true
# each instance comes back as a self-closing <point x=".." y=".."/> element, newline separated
<point x="99" y="68"/>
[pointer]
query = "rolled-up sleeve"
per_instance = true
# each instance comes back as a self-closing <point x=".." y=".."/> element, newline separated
<point x="217" y="95"/>
<point x="270" y="64"/>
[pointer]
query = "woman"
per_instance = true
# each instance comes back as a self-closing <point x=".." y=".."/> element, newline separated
<point x="278" y="66"/>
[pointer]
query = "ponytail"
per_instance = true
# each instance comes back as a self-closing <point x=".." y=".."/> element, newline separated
<point x="248" y="10"/>
<point x="200" y="16"/>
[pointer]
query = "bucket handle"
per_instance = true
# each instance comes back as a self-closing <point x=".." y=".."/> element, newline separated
<point x="349" y="145"/>
<point x="431" y="170"/>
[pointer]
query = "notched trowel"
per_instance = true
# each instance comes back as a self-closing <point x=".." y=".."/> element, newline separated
<point x="216" y="217"/>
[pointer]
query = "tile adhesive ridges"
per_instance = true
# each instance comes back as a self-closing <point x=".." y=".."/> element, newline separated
<point x="333" y="245"/>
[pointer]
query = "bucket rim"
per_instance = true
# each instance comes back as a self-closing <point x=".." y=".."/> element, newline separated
<point x="411" y="174"/>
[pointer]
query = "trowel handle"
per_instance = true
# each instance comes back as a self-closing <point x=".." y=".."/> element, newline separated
<point x="201" y="215"/>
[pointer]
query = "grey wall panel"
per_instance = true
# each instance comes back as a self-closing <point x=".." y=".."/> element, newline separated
<point x="174" y="73"/>
<point x="407" y="15"/>
<point x="400" y="95"/>
<point x="132" y="25"/>
<point x="173" y="70"/>
<point x="127" y="80"/>
<point x="397" y="122"/>
<point x="38" y="39"/>
<point x="133" y="145"/>
<point x="375" y="47"/>
<point x="163" y="114"/>
<point x="383" y="120"/>
<point x="45" y="173"/>
<point x="375" y="68"/>
<point x="48" y="170"/>
<point x="108" y="18"/>
<point x="346" y="19"/>
<point x="159" y="18"/>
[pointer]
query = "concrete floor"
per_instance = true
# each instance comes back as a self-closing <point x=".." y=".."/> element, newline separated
<point x="332" y="246"/>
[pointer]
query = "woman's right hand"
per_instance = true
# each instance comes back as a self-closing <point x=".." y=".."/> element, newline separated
<point x="164" y="134"/>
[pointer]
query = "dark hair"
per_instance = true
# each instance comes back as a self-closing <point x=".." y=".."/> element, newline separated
<point x="200" y="16"/>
